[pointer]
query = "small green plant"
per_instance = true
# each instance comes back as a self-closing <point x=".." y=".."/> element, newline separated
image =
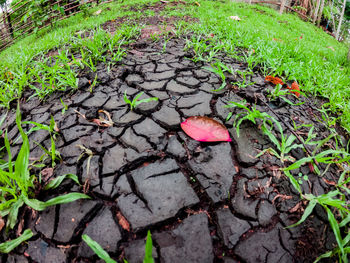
<point x="65" y="107"/>
<point x="136" y="101"/>
<point x="99" y="251"/>
<point x="51" y="129"/>
<point x="284" y="145"/>
<point x="334" y="202"/>
<point x="302" y="178"/>
<point x="219" y="68"/>
<point x="249" y="114"/>
<point x="17" y="185"/>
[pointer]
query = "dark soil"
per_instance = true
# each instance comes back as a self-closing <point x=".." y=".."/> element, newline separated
<point x="203" y="202"/>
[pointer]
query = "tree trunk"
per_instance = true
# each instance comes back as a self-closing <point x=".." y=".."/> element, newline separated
<point x="340" y="21"/>
<point x="320" y="13"/>
<point x="283" y="2"/>
<point x="316" y="12"/>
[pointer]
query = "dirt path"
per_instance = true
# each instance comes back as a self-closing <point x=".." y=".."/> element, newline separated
<point x="203" y="202"/>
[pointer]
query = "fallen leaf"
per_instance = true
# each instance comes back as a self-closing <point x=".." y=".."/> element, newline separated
<point x="98" y="12"/>
<point x="294" y="87"/>
<point x="274" y="80"/>
<point x="204" y="129"/>
<point x="235" y="18"/>
<point x="198" y="4"/>
<point x="331" y="48"/>
<point x="123" y="222"/>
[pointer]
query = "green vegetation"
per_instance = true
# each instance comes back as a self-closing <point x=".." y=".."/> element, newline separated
<point x="335" y="201"/>
<point x="8" y="246"/>
<point x="99" y="251"/>
<point x="136" y="100"/>
<point x="17" y="184"/>
<point x="265" y="41"/>
<point x="278" y="45"/>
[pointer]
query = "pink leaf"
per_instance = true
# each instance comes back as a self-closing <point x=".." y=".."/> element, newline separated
<point x="205" y="129"/>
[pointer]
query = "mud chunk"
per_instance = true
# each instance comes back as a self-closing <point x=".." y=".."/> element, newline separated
<point x="231" y="227"/>
<point x="215" y="170"/>
<point x="134" y="141"/>
<point x="46" y="222"/>
<point x="266" y="212"/>
<point x="133" y="79"/>
<point x="104" y="230"/>
<point x="128" y="118"/>
<point x="247" y="147"/>
<point x="116" y="157"/>
<point x="189" y="242"/>
<point x="160" y="76"/>
<point x="135" y="251"/>
<point x="151" y="130"/>
<point x="168" y="116"/>
<point x="70" y="216"/>
<point x="97" y="100"/>
<point x="241" y="204"/>
<point x="76" y="132"/>
<point x="164" y="192"/>
<point x="177" y="88"/>
<point x="40" y="251"/>
<point x="152" y="85"/>
<point x="175" y="147"/>
<point x="197" y="104"/>
<point x="263" y="247"/>
<point x="188" y="80"/>
<point x="92" y="175"/>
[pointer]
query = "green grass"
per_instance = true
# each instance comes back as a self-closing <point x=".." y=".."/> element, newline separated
<point x="23" y="51"/>
<point x="271" y="41"/>
<point x="309" y="61"/>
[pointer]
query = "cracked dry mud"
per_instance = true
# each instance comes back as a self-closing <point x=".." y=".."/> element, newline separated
<point x="203" y="202"/>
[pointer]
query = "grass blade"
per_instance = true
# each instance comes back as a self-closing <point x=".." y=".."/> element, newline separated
<point x="335" y="228"/>
<point x="58" y="180"/>
<point x="307" y="212"/>
<point x="293" y="181"/>
<point x="98" y="249"/>
<point x="13" y="214"/>
<point x="63" y="199"/>
<point x="8" y="246"/>
<point x="148" y="249"/>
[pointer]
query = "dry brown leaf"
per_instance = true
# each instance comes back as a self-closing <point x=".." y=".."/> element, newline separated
<point x="123" y="222"/>
<point x="98" y="12"/>
<point x="236" y="18"/>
